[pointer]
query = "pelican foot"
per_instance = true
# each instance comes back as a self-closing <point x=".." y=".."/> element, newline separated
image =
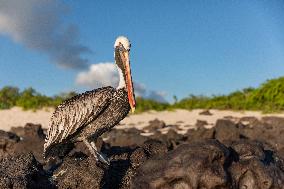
<point x="102" y="157"/>
<point x="60" y="173"/>
<point x="99" y="156"/>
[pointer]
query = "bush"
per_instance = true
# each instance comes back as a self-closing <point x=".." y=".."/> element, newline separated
<point x="29" y="98"/>
<point x="8" y="97"/>
<point x="269" y="97"/>
<point x="147" y="104"/>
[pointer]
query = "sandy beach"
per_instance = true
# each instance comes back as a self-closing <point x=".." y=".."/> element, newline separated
<point x="183" y="118"/>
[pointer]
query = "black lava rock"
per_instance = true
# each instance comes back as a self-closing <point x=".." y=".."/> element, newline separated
<point x="23" y="171"/>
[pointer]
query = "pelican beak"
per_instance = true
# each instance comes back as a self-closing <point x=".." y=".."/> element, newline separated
<point x="128" y="80"/>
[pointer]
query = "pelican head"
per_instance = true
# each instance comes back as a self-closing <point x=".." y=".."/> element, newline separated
<point x="122" y="54"/>
<point x="124" y="41"/>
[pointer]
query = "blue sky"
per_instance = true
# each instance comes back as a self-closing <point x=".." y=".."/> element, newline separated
<point x="178" y="47"/>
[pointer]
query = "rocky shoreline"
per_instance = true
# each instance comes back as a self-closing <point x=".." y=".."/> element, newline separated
<point x="244" y="153"/>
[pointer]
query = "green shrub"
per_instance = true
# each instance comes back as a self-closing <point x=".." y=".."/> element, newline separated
<point x="30" y="99"/>
<point x="269" y="97"/>
<point x="147" y="104"/>
<point x="8" y="97"/>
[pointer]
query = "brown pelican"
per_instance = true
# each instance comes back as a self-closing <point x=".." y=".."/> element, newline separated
<point x="87" y="116"/>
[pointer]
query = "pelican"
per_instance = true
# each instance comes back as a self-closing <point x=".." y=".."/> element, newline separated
<point x="87" y="116"/>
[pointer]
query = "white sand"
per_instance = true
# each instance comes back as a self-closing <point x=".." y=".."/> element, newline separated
<point x="183" y="118"/>
<point x="187" y="119"/>
<point x="17" y="117"/>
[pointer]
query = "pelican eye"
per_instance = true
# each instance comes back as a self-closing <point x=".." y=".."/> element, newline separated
<point x="121" y="48"/>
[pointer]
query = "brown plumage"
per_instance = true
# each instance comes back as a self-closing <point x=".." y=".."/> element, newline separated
<point x="87" y="116"/>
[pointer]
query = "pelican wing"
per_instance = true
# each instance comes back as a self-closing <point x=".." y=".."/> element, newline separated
<point x="75" y="113"/>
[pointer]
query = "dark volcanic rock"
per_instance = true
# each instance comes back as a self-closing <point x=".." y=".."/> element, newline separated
<point x="172" y="139"/>
<point x="155" y="125"/>
<point x="194" y="165"/>
<point x="226" y="130"/>
<point x="7" y="141"/>
<point x="256" y="167"/>
<point x="7" y="137"/>
<point x="120" y="171"/>
<point x="32" y="140"/>
<point x="29" y="130"/>
<point x="23" y="171"/>
<point x="210" y="164"/>
<point x="199" y="134"/>
<point x="200" y="124"/>
<point x="274" y="121"/>
<point x="128" y="137"/>
<point x="81" y="147"/>
<point x="269" y="131"/>
<point x="124" y="163"/>
<point x="79" y="173"/>
<point x="138" y="157"/>
<point x="250" y="121"/>
<point x="20" y="131"/>
<point x="206" y="112"/>
<point x="150" y="149"/>
<point x="249" y="155"/>
<point x="154" y="148"/>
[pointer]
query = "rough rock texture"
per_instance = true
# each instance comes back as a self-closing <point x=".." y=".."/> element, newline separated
<point x="78" y="173"/>
<point x="269" y="131"/>
<point x="236" y="153"/>
<point x="7" y="141"/>
<point x="210" y="164"/>
<point x="23" y="171"/>
<point x="188" y="166"/>
<point x="201" y="133"/>
<point x="172" y="139"/>
<point x="30" y="138"/>
<point x="129" y="137"/>
<point x="206" y="112"/>
<point x="255" y="167"/>
<point x="226" y="130"/>
<point x="200" y="124"/>
<point x="155" y="125"/>
<point x="81" y="171"/>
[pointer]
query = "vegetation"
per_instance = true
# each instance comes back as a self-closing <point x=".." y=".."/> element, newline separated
<point x="237" y="100"/>
<point x="29" y="98"/>
<point x="269" y="97"/>
<point x="148" y="104"/>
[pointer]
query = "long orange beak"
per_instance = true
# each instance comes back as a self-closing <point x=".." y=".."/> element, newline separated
<point x="128" y="78"/>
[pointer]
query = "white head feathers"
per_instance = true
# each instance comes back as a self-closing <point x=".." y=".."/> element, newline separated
<point x="124" y="41"/>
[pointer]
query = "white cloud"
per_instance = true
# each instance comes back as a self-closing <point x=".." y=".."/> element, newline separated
<point x="99" y="75"/>
<point x="37" y="24"/>
<point x="106" y="74"/>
